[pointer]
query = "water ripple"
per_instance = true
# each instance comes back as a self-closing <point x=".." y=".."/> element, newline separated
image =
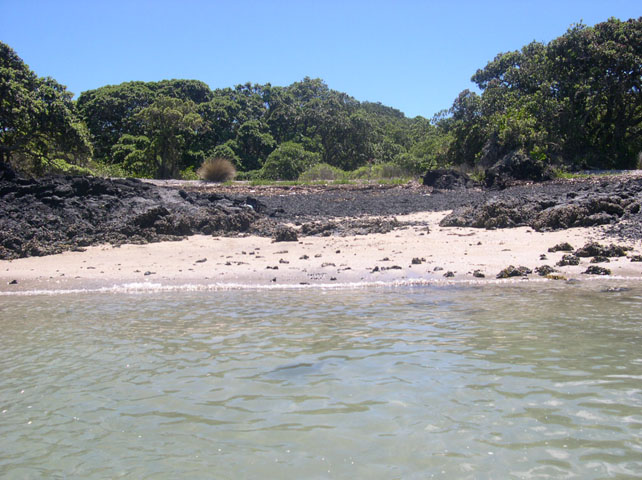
<point x="492" y="382"/>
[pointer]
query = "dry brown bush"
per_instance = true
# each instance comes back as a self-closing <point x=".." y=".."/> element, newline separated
<point x="217" y="170"/>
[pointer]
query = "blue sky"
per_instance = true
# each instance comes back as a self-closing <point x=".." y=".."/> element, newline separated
<point x="412" y="55"/>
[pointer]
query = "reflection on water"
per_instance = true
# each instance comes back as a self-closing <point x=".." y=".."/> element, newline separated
<point x="457" y="382"/>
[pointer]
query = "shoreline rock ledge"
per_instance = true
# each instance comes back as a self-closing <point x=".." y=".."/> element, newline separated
<point x="55" y="214"/>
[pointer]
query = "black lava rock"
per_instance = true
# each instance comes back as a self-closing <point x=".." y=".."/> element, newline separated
<point x="511" y="271"/>
<point x="595" y="270"/>
<point x="447" y="179"/>
<point x="514" y="167"/>
<point x="568" y="260"/>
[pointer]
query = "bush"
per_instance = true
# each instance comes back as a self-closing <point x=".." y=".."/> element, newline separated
<point x="322" y="171"/>
<point x="287" y="162"/>
<point x="59" y="165"/>
<point x="227" y="150"/>
<point x="250" y="175"/>
<point x="412" y="164"/>
<point x="188" y="173"/>
<point x="217" y="170"/>
<point x="379" y="171"/>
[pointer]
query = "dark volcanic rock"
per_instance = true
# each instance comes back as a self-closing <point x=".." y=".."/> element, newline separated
<point x="514" y="167"/>
<point x="595" y="270"/>
<point x="285" y="234"/>
<point x="511" y="271"/>
<point x="562" y="247"/>
<point x="545" y="270"/>
<point x="594" y="249"/>
<point x="494" y="213"/>
<point x="447" y="179"/>
<point x="568" y="260"/>
<point x="600" y="259"/>
<point x="558" y="205"/>
<point x="345" y="227"/>
<point x="54" y="214"/>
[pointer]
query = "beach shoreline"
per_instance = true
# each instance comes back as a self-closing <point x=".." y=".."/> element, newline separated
<point x="418" y="251"/>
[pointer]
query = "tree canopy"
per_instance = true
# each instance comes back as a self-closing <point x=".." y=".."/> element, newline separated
<point x="246" y="124"/>
<point x="38" y="122"/>
<point x="573" y="102"/>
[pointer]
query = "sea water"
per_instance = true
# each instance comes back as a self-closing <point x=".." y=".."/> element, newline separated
<point x="526" y="381"/>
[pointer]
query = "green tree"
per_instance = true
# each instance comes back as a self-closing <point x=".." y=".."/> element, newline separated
<point x="38" y="122"/>
<point x="169" y="123"/>
<point x="254" y="143"/>
<point x="576" y="100"/>
<point x="133" y="153"/>
<point x="288" y="161"/>
<point x="111" y="111"/>
<point x="227" y="151"/>
<point x="597" y="75"/>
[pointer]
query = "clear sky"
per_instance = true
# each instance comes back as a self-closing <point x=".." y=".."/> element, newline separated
<point x="412" y="55"/>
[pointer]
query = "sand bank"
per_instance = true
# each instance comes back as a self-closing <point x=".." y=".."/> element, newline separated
<point x="424" y="251"/>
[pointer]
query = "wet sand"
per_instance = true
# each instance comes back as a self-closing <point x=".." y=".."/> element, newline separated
<point x="421" y="253"/>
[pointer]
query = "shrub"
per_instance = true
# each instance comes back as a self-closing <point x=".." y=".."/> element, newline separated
<point x="188" y="173"/>
<point x="379" y="171"/>
<point x="217" y="170"/>
<point x="227" y="150"/>
<point x="59" y="165"/>
<point x="322" y="171"/>
<point x="412" y="164"/>
<point x="110" y="170"/>
<point x="287" y="162"/>
<point x="250" y="175"/>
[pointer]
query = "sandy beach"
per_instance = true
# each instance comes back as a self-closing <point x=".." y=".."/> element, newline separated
<point x="423" y="252"/>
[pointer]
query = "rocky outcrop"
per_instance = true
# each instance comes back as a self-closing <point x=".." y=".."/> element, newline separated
<point x="512" y="271"/>
<point x="590" y="205"/>
<point x="51" y="215"/>
<point x="513" y="168"/>
<point x="595" y="270"/>
<point x="345" y="227"/>
<point x="595" y="249"/>
<point x="447" y="179"/>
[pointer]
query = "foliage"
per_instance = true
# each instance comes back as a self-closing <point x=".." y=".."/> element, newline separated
<point x="109" y="170"/>
<point x="379" y="171"/>
<point x="227" y="150"/>
<point x="168" y="123"/>
<point x="288" y="161"/>
<point x="132" y="154"/>
<point x="216" y="170"/>
<point x="188" y="173"/>
<point x="247" y="123"/>
<point x="250" y="175"/>
<point x="322" y="172"/>
<point x="38" y="122"/>
<point x="110" y="111"/>
<point x="61" y="166"/>
<point x="576" y="101"/>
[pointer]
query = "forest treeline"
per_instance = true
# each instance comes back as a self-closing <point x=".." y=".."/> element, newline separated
<point x="574" y="102"/>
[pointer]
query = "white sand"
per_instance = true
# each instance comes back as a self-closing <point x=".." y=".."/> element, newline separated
<point x="254" y="260"/>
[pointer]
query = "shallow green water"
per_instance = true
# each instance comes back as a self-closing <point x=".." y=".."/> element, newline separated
<point x="456" y="382"/>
